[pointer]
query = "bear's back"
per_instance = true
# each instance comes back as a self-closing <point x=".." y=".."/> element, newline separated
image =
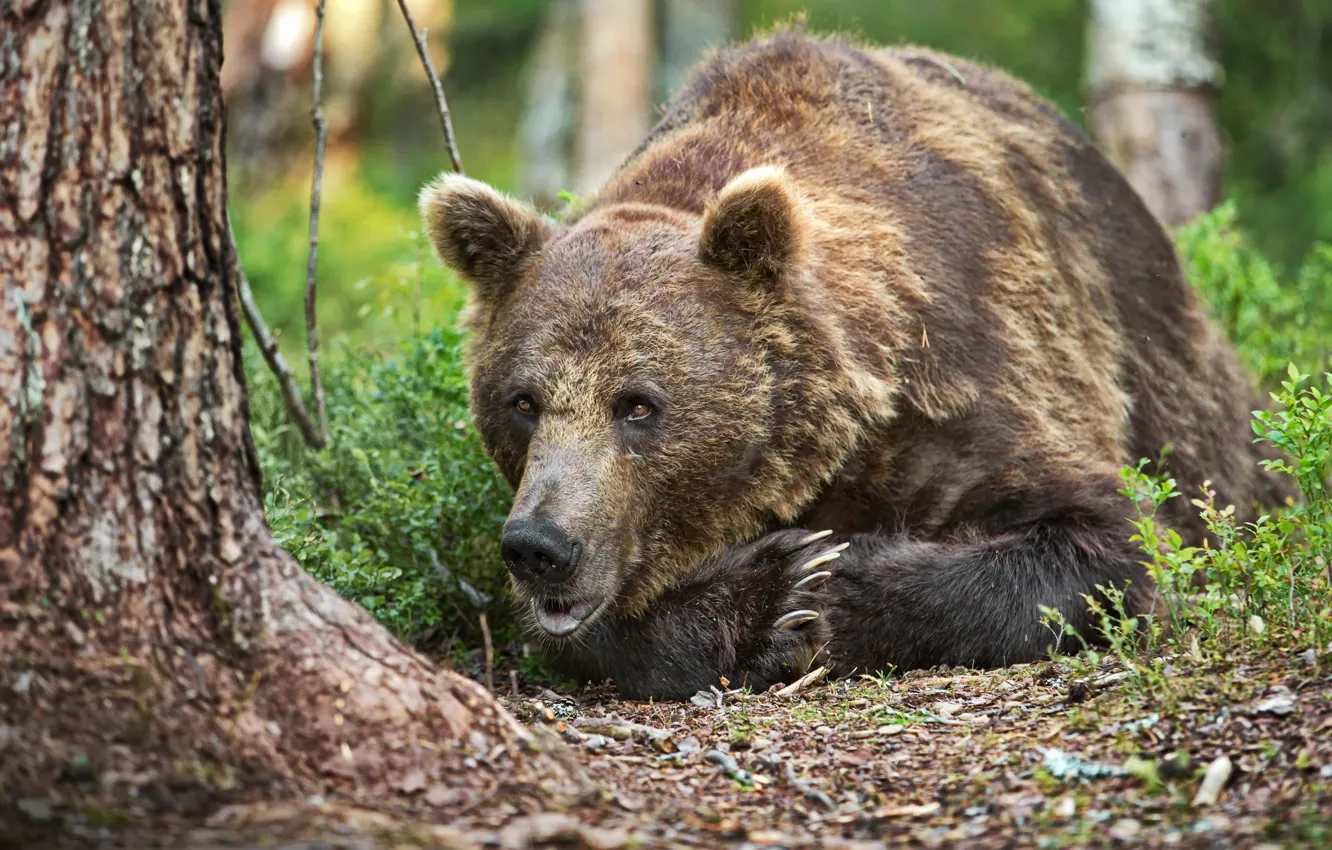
<point x="1001" y="293"/>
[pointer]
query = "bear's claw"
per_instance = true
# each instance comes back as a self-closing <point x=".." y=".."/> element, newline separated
<point x="831" y="555"/>
<point x="804" y="631"/>
<point x="812" y="580"/>
<point x="816" y="536"/>
<point x="795" y="618"/>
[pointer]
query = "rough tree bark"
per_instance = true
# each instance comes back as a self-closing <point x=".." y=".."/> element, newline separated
<point x="151" y="632"/>
<point x="1152" y="78"/>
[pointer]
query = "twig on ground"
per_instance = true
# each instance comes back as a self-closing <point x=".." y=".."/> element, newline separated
<point x="321" y="136"/>
<point x="805" y="681"/>
<point x="1214" y="780"/>
<point x="728" y="765"/>
<point x="490" y="653"/>
<point x="442" y="105"/>
<point x="513" y="682"/>
<point x="268" y="347"/>
<point x="935" y="718"/>
<point x="612" y="727"/>
<point x="804" y="786"/>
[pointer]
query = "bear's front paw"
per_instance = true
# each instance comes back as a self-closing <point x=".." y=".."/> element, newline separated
<point x="785" y="632"/>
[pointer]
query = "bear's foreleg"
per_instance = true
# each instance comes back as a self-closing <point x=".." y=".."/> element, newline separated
<point x="753" y="615"/>
<point x="894" y="601"/>
<point x="766" y="611"/>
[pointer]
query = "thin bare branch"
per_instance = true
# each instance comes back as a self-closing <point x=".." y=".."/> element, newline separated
<point x="614" y="727"/>
<point x="423" y="50"/>
<point x="490" y="653"/>
<point x="321" y="133"/>
<point x="268" y="346"/>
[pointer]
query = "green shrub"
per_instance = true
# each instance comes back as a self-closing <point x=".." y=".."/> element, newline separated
<point x="1274" y="318"/>
<point x="402" y="512"/>
<point x="1265" y="583"/>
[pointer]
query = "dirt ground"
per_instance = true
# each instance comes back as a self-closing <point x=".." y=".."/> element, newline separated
<point x="1238" y="755"/>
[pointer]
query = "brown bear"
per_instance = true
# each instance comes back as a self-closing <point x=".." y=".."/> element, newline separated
<point x="843" y="361"/>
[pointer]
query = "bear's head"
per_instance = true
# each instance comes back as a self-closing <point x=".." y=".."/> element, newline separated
<point x="634" y="375"/>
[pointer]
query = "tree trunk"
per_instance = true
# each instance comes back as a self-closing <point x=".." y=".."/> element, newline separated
<point x="690" y="28"/>
<point x="546" y="136"/>
<point x="1152" y="77"/>
<point x="151" y="632"/>
<point x="616" y="85"/>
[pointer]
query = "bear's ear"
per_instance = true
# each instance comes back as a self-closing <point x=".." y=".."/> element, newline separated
<point x="481" y="234"/>
<point x="755" y="227"/>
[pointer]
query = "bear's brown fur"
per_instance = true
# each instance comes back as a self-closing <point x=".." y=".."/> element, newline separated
<point x="889" y="293"/>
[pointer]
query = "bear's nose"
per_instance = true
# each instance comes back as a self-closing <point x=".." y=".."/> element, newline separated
<point x="538" y="549"/>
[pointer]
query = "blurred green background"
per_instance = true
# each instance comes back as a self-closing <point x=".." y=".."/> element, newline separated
<point x="1275" y="111"/>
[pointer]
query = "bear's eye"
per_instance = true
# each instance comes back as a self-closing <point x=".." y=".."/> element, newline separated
<point x="525" y="405"/>
<point x="638" y="411"/>
<point x="636" y="408"/>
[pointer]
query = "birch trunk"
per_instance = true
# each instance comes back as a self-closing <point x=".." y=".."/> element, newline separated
<point x="1152" y="77"/>
<point x="148" y="622"/>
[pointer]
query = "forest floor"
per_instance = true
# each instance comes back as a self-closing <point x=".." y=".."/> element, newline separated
<point x="1232" y="753"/>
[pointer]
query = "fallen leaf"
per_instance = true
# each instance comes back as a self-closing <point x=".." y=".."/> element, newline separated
<point x="561" y="830"/>
<point x="446" y="797"/>
<point x="1126" y="829"/>
<point x="35" y="808"/>
<point x="412" y="782"/>
<point x="1067" y="766"/>
<point x="1279" y="705"/>
<point x="768" y="837"/>
<point x="705" y="699"/>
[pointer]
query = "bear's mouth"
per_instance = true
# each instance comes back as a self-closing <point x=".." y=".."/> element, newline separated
<point x="562" y="617"/>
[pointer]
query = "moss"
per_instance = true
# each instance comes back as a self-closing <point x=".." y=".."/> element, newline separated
<point x="106" y="816"/>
